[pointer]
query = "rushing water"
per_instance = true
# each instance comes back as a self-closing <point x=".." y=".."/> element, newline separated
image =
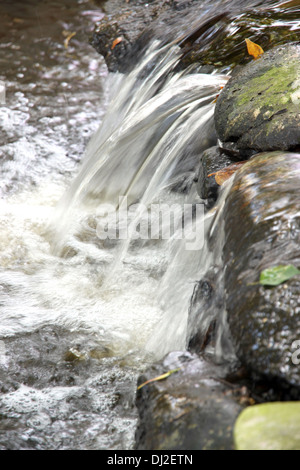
<point x="81" y="314"/>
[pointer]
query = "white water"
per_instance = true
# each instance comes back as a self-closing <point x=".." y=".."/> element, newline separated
<point x="134" y="297"/>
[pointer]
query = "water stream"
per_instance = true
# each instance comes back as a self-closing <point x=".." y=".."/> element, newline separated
<point x="81" y="313"/>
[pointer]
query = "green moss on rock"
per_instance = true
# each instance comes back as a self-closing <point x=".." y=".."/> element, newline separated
<point x="271" y="89"/>
<point x="259" y="107"/>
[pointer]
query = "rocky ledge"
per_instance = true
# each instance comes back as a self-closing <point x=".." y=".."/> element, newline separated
<point x="258" y="110"/>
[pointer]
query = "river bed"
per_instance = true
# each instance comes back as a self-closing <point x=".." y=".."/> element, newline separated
<point x="61" y="385"/>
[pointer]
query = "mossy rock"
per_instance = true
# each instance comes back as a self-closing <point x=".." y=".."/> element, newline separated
<point x="270" y="426"/>
<point x="259" y="108"/>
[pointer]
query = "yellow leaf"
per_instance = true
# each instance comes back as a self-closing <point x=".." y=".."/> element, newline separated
<point x="68" y="37"/>
<point x="215" y="100"/>
<point x="160" y="377"/>
<point x="254" y="49"/>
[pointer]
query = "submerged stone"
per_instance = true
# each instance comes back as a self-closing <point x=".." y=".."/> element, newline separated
<point x="270" y="426"/>
<point x="259" y="108"/>
<point x="55" y="394"/>
<point x="192" y="409"/>
<point x="262" y="230"/>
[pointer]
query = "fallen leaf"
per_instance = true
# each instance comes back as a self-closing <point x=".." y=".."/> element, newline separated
<point x="160" y="377"/>
<point x="254" y="49"/>
<point x="68" y="36"/>
<point x="115" y="42"/>
<point x="215" y="100"/>
<point x="277" y="275"/>
<point x="223" y="175"/>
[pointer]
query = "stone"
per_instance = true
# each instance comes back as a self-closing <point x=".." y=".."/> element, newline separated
<point x="262" y="230"/>
<point x="259" y="108"/>
<point x="190" y="410"/>
<point x="211" y="161"/>
<point x="269" y="426"/>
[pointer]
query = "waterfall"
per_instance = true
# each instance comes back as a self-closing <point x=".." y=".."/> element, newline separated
<point x="146" y="153"/>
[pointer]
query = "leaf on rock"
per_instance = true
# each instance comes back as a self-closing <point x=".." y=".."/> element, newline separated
<point x="160" y="377"/>
<point x="223" y="175"/>
<point x="277" y="275"/>
<point x="254" y="49"/>
<point x="215" y="100"/>
<point x="115" y="42"/>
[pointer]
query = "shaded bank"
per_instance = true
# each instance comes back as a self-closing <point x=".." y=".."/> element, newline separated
<point x="209" y="33"/>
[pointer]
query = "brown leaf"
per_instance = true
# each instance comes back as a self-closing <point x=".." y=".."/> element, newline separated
<point x="254" y="49"/>
<point x="223" y="175"/>
<point x="115" y="42"/>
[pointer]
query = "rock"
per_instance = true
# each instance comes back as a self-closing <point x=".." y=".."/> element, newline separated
<point x="262" y="230"/>
<point x="212" y="160"/>
<point x="139" y="22"/>
<point x="270" y="426"/>
<point x="259" y="107"/>
<point x="202" y="30"/>
<point x="192" y="409"/>
<point x="126" y="21"/>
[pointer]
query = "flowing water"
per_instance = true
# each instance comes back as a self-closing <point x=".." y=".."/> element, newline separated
<point x="84" y="310"/>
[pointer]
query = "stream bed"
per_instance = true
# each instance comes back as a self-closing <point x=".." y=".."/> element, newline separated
<point x="61" y="385"/>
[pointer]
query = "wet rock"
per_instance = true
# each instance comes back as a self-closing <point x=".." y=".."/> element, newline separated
<point x="201" y="330"/>
<point x="270" y="426"/>
<point x="139" y="22"/>
<point x="192" y="409"/>
<point x="212" y="160"/>
<point x="125" y="21"/>
<point x="203" y="30"/>
<point x="259" y="107"/>
<point x="262" y="230"/>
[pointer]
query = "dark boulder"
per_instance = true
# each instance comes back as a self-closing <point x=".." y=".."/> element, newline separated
<point x="211" y="161"/>
<point x="115" y="36"/>
<point x="259" y="107"/>
<point x="192" y="409"/>
<point x="262" y="230"/>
